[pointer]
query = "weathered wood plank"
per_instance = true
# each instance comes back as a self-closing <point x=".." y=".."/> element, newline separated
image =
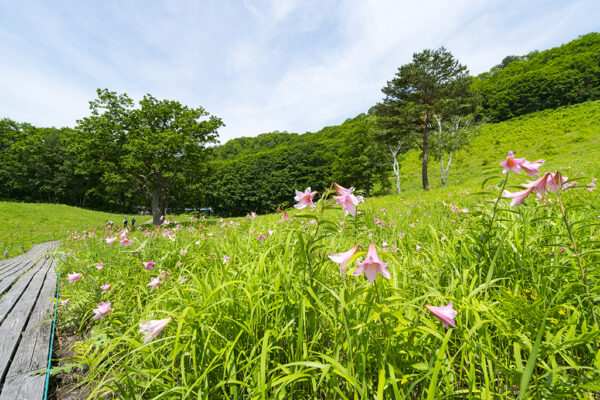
<point x="8" y="301"/>
<point x="32" y="353"/>
<point x="14" y="268"/>
<point x="24" y="387"/>
<point x="9" y="280"/>
<point x="36" y="251"/>
<point x="11" y="265"/>
<point x="28" y="282"/>
<point x="16" y="320"/>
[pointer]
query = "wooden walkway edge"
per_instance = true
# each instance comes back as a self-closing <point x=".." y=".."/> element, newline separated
<point x="27" y="292"/>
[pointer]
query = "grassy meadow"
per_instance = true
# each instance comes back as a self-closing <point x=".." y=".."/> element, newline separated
<point x="255" y="308"/>
<point x="566" y="137"/>
<point x="24" y="224"/>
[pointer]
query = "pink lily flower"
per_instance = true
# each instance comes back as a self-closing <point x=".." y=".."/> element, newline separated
<point x="512" y="163"/>
<point x="74" y="277"/>
<point x="444" y="313"/>
<point x="517" y="197"/>
<point x="164" y="275"/>
<point x="100" y="266"/>
<point x="125" y="242"/>
<point x="372" y="265"/>
<point x="285" y="215"/>
<point x="106" y="287"/>
<point x="110" y="240"/>
<point x="261" y="237"/>
<point x="183" y="252"/>
<point x="153" y="327"/>
<point x="270" y="232"/>
<point x="347" y="200"/>
<point x="182" y="281"/>
<point x="102" y="310"/>
<point x="154" y="283"/>
<point x="343" y="258"/>
<point x="401" y="235"/>
<point x="304" y="199"/>
<point x="123" y="235"/>
<point x="226" y="259"/>
<point x="149" y="265"/>
<point x="556" y="181"/>
<point x="64" y="303"/>
<point x="531" y="168"/>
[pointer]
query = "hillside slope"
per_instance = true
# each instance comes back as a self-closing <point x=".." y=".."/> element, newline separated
<point x="24" y="224"/>
<point x="566" y="137"/>
<point x="568" y="74"/>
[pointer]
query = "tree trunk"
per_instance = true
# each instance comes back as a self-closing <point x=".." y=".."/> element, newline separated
<point x="425" y="143"/>
<point x="156" y="208"/>
<point x="396" y="166"/>
<point x="441" y="139"/>
<point x="449" y="161"/>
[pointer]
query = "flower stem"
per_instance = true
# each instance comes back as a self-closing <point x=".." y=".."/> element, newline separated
<point x="385" y="329"/>
<point x="496" y="205"/>
<point x="577" y="254"/>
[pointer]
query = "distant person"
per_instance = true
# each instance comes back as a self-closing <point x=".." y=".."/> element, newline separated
<point x="132" y="223"/>
<point x="109" y="223"/>
<point x="125" y="223"/>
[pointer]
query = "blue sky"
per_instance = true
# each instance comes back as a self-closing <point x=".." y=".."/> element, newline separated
<point x="294" y="65"/>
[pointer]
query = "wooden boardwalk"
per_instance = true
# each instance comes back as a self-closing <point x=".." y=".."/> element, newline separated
<point x="27" y="292"/>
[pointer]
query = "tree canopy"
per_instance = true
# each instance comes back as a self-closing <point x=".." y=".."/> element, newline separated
<point x="433" y="83"/>
<point x="146" y="151"/>
<point x="564" y="75"/>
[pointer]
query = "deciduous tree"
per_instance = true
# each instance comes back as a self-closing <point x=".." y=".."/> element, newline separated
<point x="145" y="152"/>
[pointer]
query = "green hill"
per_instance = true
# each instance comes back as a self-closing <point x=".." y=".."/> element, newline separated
<point x="24" y="224"/>
<point x="567" y="137"/>
<point x="560" y="76"/>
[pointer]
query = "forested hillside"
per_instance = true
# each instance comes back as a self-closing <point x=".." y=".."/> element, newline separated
<point x="564" y="75"/>
<point x="263" y="180"/>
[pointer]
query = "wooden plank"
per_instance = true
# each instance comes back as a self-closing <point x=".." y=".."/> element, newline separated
<point x="29" y="283"/>
<point x="9" y="280"/>
<point x="8" y="301"/>
<point x="16" y="268"/>
<point x="36" y="251"/>
<point x="10" y="265"/>
<point x="24" y="387"/>
<point x="17" y="319"/>
<point x="32" y="353"/>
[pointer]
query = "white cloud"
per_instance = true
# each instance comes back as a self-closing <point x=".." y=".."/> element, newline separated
<point x="287" y="65"/>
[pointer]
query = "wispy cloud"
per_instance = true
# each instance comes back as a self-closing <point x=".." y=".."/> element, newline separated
<point x="259" y="65"/>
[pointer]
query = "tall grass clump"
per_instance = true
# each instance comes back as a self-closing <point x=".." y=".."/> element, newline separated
<point x="484" y="300"/>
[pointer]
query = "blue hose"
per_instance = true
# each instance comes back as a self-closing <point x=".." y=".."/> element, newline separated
<point x="53" y="326"/>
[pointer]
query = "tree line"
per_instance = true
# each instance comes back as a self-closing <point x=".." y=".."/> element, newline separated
<point x="161" y="154"/>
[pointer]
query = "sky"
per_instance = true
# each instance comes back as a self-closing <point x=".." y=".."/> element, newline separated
<point x="260" y="66"/>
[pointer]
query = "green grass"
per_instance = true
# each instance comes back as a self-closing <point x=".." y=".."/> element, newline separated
<point x="278" y="321"/>
<point x="25" y="224"/>
<point x="566" y="137"/>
